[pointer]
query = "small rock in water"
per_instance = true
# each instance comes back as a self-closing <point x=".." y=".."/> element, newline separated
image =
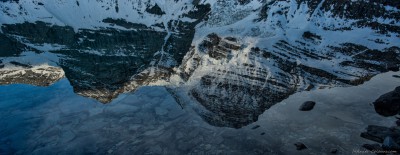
<point x="396" y="76"/>
<point x="398" y="122"/>
<point x="255" y="127"/>
<point x="334" y="150"/>
<point x="263" y="133"/>
<point x="307" y="106"/>
<point x="300" y="146"/>
<point x="390" y="144"/>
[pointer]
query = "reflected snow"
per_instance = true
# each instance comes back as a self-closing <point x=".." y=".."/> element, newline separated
<point x="54" y="120"/>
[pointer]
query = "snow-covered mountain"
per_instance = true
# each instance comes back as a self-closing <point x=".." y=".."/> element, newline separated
<point x="229" y="60"/>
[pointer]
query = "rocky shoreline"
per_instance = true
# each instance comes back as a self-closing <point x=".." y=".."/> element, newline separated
<point x="389" y="137"/>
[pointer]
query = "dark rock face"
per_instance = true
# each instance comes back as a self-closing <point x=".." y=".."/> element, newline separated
<point x="389" y="103"/>
<point x="10" y="46"/>
<point x="125" y="24"/>
<point x="243" y="2"/>
<point x="40" y="32"/>
<point x="363" y="11"/>
<point x="155" y="10"/>
<point x="310" y="35"/>
<point x="307" y="106"/>
<point x="21" y="64"/>
<point x="213" y="42"/>
<point x="10" y="1"/>
<point x="387" y="56"/>
<point x="108" y="74"/>
<point x="90" y="71"/>
<point x="103" y="61"/>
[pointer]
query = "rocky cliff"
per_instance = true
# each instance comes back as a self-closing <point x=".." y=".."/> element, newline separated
<point x="229" y="60"/>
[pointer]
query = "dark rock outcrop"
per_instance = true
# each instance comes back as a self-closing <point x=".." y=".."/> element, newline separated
<point x="379" y="133"/>
<point x="312" y="36"/>
<point x="388" y="137"/>
<point x="20" y="64"/>
<point x="334" y="150"/>
<point x="300" y="146"/>
<point x="389" y="103"/>
<point x="307" y="106"/>
<point x="155" y="10"/>
<point x="10" y="46"/>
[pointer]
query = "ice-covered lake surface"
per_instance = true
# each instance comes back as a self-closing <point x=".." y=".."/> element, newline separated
<point x="54" y="120"/>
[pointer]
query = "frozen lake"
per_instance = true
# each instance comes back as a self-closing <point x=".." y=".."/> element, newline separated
<point x="54" y="120"/>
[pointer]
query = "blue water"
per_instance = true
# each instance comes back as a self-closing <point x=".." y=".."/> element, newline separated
<point x="22" y="111"/>
<point x="55" y="120"/>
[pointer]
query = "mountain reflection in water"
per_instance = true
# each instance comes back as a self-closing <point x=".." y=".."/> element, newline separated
<point x="53" y="120"/>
